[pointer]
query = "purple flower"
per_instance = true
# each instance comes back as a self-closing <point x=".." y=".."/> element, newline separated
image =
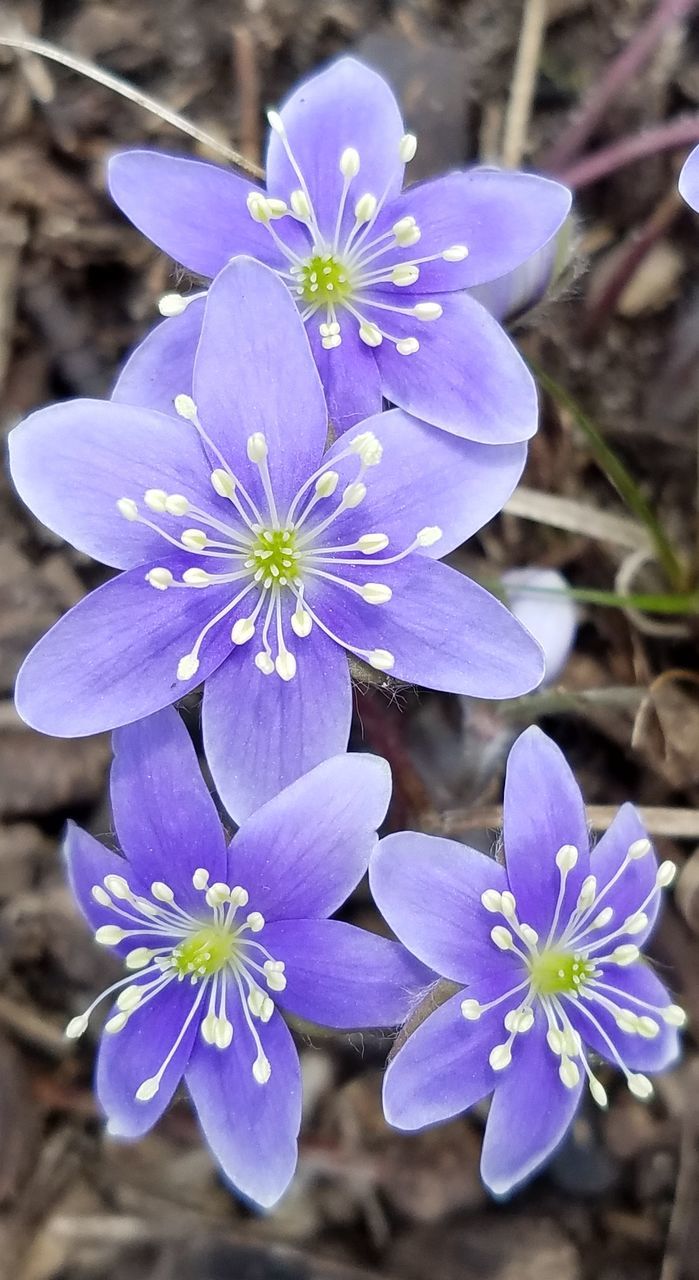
<point x="253" y="561"/>
<point x="540" y="598"/>
<point x="218" y="938"/>
<point x="379" y="275"/>
<point x="512" y="295"/>
<point x="689" y="180"/>
<point x="547" y="949"/>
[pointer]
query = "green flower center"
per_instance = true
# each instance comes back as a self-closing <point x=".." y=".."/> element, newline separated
<point x="204" y="953"/>
<point x="556" y="973"/>
<point x="274" y="552"/>
<point x="324" y="280"/>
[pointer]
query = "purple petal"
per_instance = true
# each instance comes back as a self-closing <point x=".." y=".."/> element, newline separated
<point x="421" y="481"/>
<point x="193" y="210"/>
<point x="165" y="819"/>
<point x="637" y="989"/>
<point x="444" y="631"/>
<point x="350" y="377"/>
<point x="347" y="105"/>
<point x="72" y="462"/>
<point x="113" y="658"/>
<point x="689" y="179"/>
<point x="161" y="367"/>
<point x="520" y="290"/>
<point x="340" y="976"/>
<point x="261" y="733"/>
<point x="250" y="322"/>
<point x="628" y="894"/>
<point x="530" y="1113"/>
<point x="502" y="218"/>
<point x="303" y="852"/>
<point x="429" y="891"/>
<point x="543" y="811"/>
<point x="251" y="1128"/>
<point x="135" y="1054"/>
<point x="539" y="598"/>
<point x="443" y="1068"/>
<point x="467" y="377"/>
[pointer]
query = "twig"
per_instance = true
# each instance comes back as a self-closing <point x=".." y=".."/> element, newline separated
<point x="620" y="71"/>
<point x="550" y="702"/>
<point x="680" y="824"/>
<point x="577" y="517"/>
<point x="657" y="225"/>
<point x="248" y="80"/>
<point x="523" y="82"/>
<point x="681" y="132"/>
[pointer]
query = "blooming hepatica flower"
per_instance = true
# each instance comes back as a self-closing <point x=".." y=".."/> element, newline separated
<point x="547" y="949"/>
<point x="689" y="180"/>
<point x="252" y="560"/>
<point x="217" y="939"/>
<point x="379" y="276"/>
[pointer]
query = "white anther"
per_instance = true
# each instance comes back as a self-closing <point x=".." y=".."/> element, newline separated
<point x="129" y="998"/>
<point x="258" y="207"/>
<point x="519" y="1020"/>
<point x="196" y="577"/>
<point x="261" y="1069"/>
<point x="275" y="122"/>
<point x="138" y="958"/>
<point x="176" y="504"/>
<point x="109" y="935"/>
<point x="638" y="849"/>
<point x="665" y="874"/>
<point x="208" y="1028"/>
<point x="223" y="483"/>
<point x="471" y="1010"/>
<point x="381" y="659"/>
<point x="285" y="665"/>
<point x="277" y="208"/>
<point x="406" y="232"/>
<point x="242" y="630"/>
<point x="255" y="921"/>
<point x="329" y="328"/>
<point x="626" y="1021"/>
<point x="354" y="494"/>
<point x="647" y="1027"/>
<point x="264" y="663"/>
<point x="116" y="1023"/>
<point x="639" y="1085"/>
<point x="301" y="622"/>
<point x="572" y="1044"/>
<point x="349" y="162"/>
<point x="217" y="894"/>
<point x="76" y="1027"/>
<point x="500" y="1057"/>
<point x="200" y="879"/>
<point x="185" y="407"/>
<point x="428" y="536"/>
<point x="588" y="893"/>
<point x="299" y="204"/>
<point x="187" y="667"/>
<point x="99" y="895"/>
<point x="502" y="937"/>
<point x="569" y="1073"/>
<point x="598" y="1091"/>
<point x="566" y="857"/>
<point x="162" y="891"/>
<point x="407" y="147"/>
<point x="172" y="304"/>
<point x="492" y="900"/>
<point x="370" y="334"/>
<point x="456" y="253"/>
<point x="554" y="1039"/>
<point x="508" y="904"/>
<point x="223" y="1033"/>
<point x="160" y="578"/>
<point x="375" y="593"/>
<point x="368" y="447"/>
<point x="194" y="539"/>
<point x="275" y="980"/>
<point x="626" y="954"/>
<point x="331" y="342"/>
<point x="406" y="273"/>
<point x="127" y="508"/>
<point x="600" y="921"/>
<point x="427" y="310"/>
<point x="155" y="500"/>
<point x="239" y="896"/>
<point x="257" y="447"/>
<point x="365" y="207"/>
<point x="370" y="543"/>
<point x="407" y="346"/>
<point x="636" y="923"/>
<point x="148" y="1089"/>
<point x="326" y="484"/>
<point x="117" y="886"/>
<point x="674" y="1015"/>
<point x="530" y="935"/>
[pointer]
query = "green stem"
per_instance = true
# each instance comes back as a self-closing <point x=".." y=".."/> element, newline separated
<point x="680" y="604"/>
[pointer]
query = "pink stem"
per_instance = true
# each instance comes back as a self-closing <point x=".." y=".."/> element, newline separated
<point x="598" y="164"/>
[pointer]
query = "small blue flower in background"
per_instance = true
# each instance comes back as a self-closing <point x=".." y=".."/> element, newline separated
<point x="689" y="179"/>
<point x="548" y="951"/>
<point x="539" y="596"/>
<point x="379" y="275"/>
<point x="219" y="937"/>
<point x="253" y="561"/>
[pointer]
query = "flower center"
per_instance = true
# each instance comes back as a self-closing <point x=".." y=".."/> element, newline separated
<point x="559" y="972"/>
<point x="204" y="953"/>
<point x="324" y="280"/>
<point x="274" y="552"/>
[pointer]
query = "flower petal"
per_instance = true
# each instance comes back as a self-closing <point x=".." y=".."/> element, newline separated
<point x="442" y="1068"/>
<point x="347" y="105"/>
<point x="543" y="811"/>
<point x="113" y="658"/>
<point x="340" y="976"/>
<point x="540" y="598"/>
<point x="350" y="377"/>
<point x="519" y="291"/>
<point x="129" y="1057"/>
<point x="689" y="179"/>
<point x="530" y="1114"/>
<point x="502" y="218"/>
<point x="193" y="210"/>
<point x="87" y="863"/>
<point x="72" y="462"/>
<point x="250" y="321"/>
<point x="251" y="1128"/>
<point x="444" y="631"/>
<point x="161" y="367"/>
<point x="629" y="892"/>
<point x="303" y="852"/>
<point x="634" y="988"/>
<point x="261" y="733"/>
<point x="466" y="377"/>
<point x="165" y="818"/>
<point x="429" y="891"/>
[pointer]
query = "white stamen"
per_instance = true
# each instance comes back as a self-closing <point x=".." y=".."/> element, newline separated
<point x="370" y="334"/>
<point x="160" y="578"/>
<point x="375" y="593"/>
<point x="639" y="849"/>
<point x="127" y="508"/>
<point x="427" y="310"/>
<point x="428" y="536"/>
<point x="365" y="207"/>
<point x="407" y="147"/>
<point x="569" y="1073"/>
<point x="502" y="938"/>
<point x="264" y="663"/>
<point x="381" y="659"/>
<point x="407" y="346"/>
<point x="185" y="407"/>
<point x="172" y="304"/>
<point x="456" y="253"/>
<point x="665" y="874"/>
<point x="471" y="1010"/>
<point x="155" y="500"/>
<point x="354" y="494"/>
<point x="625" y="954"/>
<point x="406" y="232"/>
<point x="566" y="858"/>
<point x="257" y="447"/>
<point x="242" y="631"/>
<point x="223" y="483"/>
<point x="326" y="484"/>
<point x="285" y="665"/>
<point x="177" y="505"/>
<point x="108" y="935"/>
<point x="406" y="273"/>
<point x="500" y="1057"/>
<point x="639" y="1085"/>
<point x="194" y="539"/>
<point x="492" y="901"/>
<point x="187" y="667"/>
<point x="76" y="1027"/>
<point x="300" y="206"/>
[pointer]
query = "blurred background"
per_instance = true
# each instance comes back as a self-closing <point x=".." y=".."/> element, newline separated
<point x="564" y="86"/>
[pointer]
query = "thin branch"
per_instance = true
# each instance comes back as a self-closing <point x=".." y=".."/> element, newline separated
<point x="680" y="132"/>
<point x="679" y="824"/>
<point x="526" y="69"/>
<point x="577" y="517"/>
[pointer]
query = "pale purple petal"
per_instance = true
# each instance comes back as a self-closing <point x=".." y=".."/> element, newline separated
<point x="467" y="377"/>
<point x="340" y="976"/>
<point x="689" y="179"/>
<point x="251" y="1128"/>
<point x="161" y="366"/>
<point x="530" y="1114"/>
<point x="72" y="462"/>
<point x="543" y="811"/>
<point x="165" y="818"/>
<point x="87" y="863"/>
<point x="304" y="851"/>
<point x="350" y="377"/>
<point x="254" y="372"/>
<point x="635" y="988"/>
<point x="261" y="732"/>
<point x="628" y="893"/>
<point x="193" y="210"/>
<point x="520" y="290"/>
<point x="540" y="599"/>
<point x="347" y="105"/>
